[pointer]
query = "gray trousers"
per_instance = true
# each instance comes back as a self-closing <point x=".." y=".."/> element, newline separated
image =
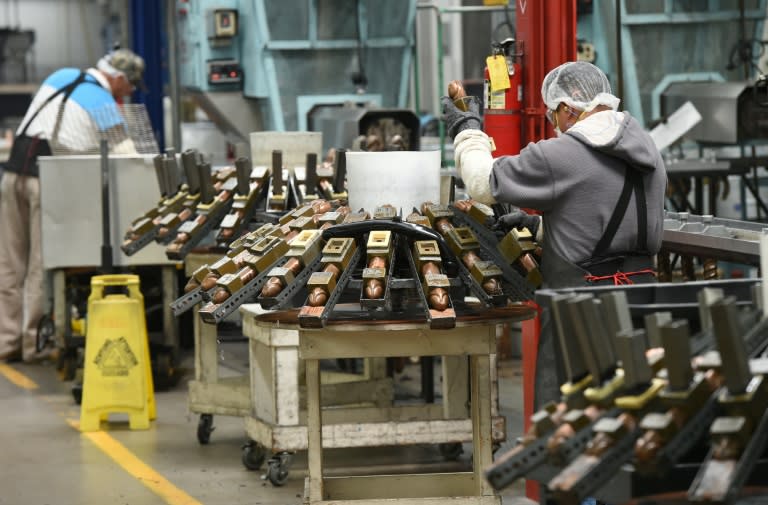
<point x="21" y="263"/>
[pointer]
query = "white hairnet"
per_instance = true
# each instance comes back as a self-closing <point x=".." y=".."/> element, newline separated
<point x="578" y="84"/>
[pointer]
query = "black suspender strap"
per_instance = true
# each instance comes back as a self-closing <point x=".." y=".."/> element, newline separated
<point x="642" y="212"/>
<point x="633" y="183"/>
<point x="66" y="91"/>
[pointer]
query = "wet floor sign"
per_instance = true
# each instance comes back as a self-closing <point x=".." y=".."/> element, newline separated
<point x="117" y="377"/>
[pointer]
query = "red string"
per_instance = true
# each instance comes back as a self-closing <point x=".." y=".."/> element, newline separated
<point x="619" y="278"/>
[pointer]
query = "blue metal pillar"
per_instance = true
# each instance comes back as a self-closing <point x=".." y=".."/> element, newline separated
<point x="147" y="22"/>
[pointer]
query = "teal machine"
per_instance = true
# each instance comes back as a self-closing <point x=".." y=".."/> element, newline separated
<point x="703" y="41"/>
<point x="711" y="53"/>
<point x="273" y="65"/>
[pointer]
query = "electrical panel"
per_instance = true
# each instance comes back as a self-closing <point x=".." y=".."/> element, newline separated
<point x="222" y="24"/>
<point x="224" y="72"/>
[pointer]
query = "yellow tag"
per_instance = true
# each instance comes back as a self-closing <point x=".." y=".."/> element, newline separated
<point x="493" y="144"/>
<point x="497" y="69"/>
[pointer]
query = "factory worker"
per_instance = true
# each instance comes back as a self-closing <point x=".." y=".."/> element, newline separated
<point x="70" y="113"/>
<point x="599" y="185"/>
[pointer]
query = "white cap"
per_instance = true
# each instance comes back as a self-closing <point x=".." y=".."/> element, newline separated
<point x="123" y="62"/>
<point x="578" y="84"/>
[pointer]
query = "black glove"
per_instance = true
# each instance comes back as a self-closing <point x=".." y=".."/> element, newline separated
<point x="456" y="119"/>
<point x="518" y="219"/>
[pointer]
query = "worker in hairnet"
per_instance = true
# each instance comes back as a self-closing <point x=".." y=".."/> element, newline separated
<point x="70" y="113"/>
<point x="599" y="185"/>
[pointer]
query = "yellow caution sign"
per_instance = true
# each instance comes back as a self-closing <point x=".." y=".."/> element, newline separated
<point x="117" y="377"/>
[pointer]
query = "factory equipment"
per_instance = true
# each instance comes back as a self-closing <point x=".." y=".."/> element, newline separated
<point x="331" y="265"/>
<point x="15" y="46"/>
<point x="16" y="90"/>
<point x="712" y="237"/>
<point x="323" y="254"/>
<point x="606" y="440"/>
<point x="733" y="112"/>
<point x="229" y="202"/>
<point x="622" y="32"/>
<point x="365" y="128"/>
<point x="308" y="55"/>
<point x="71" y="231"/>
<point x="655" y="410"/>
<point x="285" y="172"/>
<point x="326" y="261"/>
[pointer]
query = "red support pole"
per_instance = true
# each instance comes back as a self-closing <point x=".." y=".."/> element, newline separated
<point x="530" y="331"/>
<point x="547" y="31"/>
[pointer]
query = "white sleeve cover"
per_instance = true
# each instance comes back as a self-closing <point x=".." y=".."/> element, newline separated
<point x="540" y="231"/>
<point x="474" y="162"/>
<point x="125" y="147"/>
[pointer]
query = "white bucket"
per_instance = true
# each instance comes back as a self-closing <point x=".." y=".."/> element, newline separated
<point x="404" y="179"/>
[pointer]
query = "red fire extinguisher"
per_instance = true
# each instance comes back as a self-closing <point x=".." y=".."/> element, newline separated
<point x="502" y="114"/>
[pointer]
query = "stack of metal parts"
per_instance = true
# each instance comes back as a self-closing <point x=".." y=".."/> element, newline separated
<point x="225" y="203"/>
<point x="335" y="263"/>
<point x="650" y="412"/>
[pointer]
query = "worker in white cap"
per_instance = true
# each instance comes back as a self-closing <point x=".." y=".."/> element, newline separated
<point x="599" y="185"/>
<point x="70" y="113"/>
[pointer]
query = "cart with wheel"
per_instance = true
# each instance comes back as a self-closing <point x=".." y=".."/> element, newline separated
<point x="73" y="229"/>
<point x="211" y="392"/>
<point x="277" y="424"/>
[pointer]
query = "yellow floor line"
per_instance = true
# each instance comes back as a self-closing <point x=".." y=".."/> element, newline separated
<point x="17" y="377"/>
<point x="115" y="450"/>
<point x="136" y="467"/>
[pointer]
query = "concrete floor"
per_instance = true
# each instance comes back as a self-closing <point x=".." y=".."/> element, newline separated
<point x="46" y="461"/>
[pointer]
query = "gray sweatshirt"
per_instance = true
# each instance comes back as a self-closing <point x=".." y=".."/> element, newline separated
<point x="575" y="181"/>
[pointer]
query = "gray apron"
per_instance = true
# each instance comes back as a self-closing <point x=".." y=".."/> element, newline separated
<point x="559" y="273"/>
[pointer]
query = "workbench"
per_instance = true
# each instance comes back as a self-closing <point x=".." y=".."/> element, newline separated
<point x="277" y="420"/>
<point x="267" y="397"/>
<point x="474" y="336"/>
<point x="209" y="393"/>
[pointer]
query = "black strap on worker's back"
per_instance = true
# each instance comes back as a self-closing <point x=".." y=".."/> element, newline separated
<point x="633" y="183"/>
<point x="25" y="149"/>
<point x="66" y="91"/>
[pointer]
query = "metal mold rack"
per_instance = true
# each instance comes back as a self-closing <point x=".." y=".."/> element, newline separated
<point x="212" y="221"/>
<point x="680" y="459"/>
<point x="708" y="236"/>
<point x="516" y="288"/>
<point x="403" y="290"/>
<point x="469" y="410"/>
<point x="214" y="313"/>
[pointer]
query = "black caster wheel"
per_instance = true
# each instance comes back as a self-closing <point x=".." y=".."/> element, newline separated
<point x="45" y="332"/>
<point x="66" y="364"/>
<point x="77" y="393"/>
<point x="164" y="376"/>
<point x="205" y="428"/>
<point x="253" y="456"/>
<point x="451" y="451"/>
<point x="277" y="469"/>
